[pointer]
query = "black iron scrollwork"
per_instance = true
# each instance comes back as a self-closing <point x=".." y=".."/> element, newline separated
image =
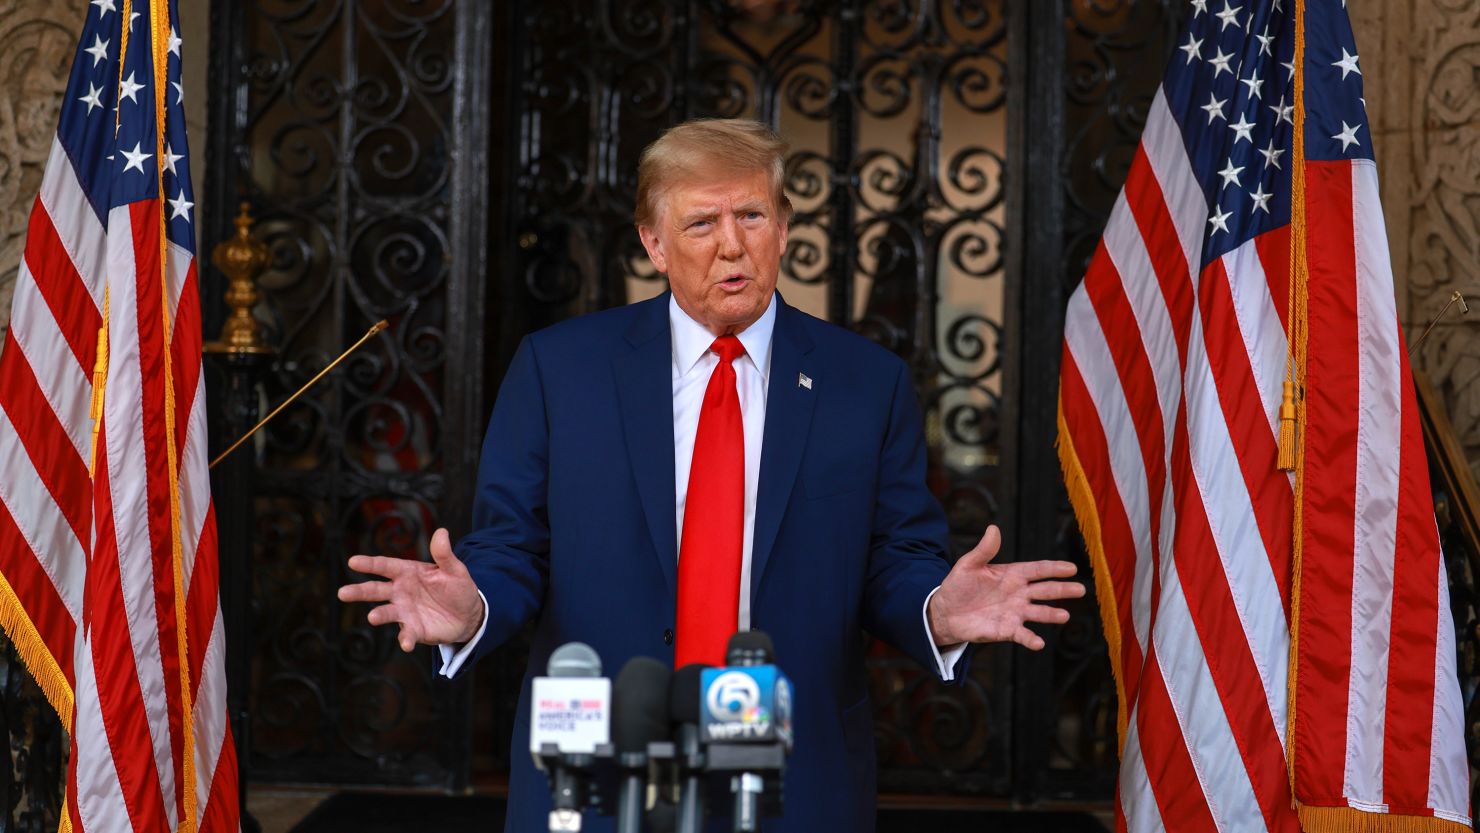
<point x="345" y="146"/>
<point x="902" y="176"/>
<point x="1107" y="87"/>
<point x="897" y="113"/>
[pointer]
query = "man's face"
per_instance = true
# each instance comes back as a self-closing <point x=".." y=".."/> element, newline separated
<point x="720" y="243"/>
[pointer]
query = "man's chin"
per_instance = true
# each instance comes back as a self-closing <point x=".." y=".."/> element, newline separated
<point x="736" y="313"/>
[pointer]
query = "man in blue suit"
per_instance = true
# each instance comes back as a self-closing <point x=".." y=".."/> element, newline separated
<point x="660" y="475"/>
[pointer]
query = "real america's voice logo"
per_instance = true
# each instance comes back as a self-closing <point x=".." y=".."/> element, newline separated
<point x="568" y="715"/>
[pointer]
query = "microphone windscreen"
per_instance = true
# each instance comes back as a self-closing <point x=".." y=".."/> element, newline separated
<point x="685" y="692"/>
<point x="640" y="704"/>
<point x="749" y="648"/>
<point x="574" y="659"/>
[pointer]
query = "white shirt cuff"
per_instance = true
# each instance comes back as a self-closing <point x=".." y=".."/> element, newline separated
<point x="453" y="657"/>
<point x="945" y="658"/>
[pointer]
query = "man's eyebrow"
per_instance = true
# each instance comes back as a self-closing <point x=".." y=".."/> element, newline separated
<point x="704" y="213"/>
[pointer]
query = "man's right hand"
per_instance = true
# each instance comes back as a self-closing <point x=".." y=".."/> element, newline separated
<point x="435" y="603"/>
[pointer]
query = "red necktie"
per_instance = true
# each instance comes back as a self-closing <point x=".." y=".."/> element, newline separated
<point x="713" y="520"/>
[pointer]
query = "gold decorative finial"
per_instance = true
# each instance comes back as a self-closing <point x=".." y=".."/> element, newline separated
<point x="242" y="258"/>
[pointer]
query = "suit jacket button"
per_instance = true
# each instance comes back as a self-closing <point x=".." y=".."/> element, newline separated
<point x="668" y="636"/>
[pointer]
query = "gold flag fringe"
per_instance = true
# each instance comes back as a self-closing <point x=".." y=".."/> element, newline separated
<point x="159" y="30"/>
<point x="1295" y="386"/>
<point x="34" y="654"/>
<point x="1083" y="501"/>
<point x="1352" y="820"/>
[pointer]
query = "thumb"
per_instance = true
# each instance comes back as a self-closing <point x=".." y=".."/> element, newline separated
<point x="442" y="553"/>
<point x="986" y="549"/>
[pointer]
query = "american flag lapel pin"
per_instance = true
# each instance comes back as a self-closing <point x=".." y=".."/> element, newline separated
<point x="804" y="381"/>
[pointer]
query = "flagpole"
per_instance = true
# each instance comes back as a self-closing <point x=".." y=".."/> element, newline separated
<point x="1463" y="308"/>
<point x="376" y="328"/>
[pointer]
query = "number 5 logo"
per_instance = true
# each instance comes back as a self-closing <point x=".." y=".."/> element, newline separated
<point x="732" y="695"/>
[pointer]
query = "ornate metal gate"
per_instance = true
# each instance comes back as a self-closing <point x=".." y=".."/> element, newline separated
<point x="346" y="125"/>
<point x="954" y="161"/>
<point x="950" y="159"/>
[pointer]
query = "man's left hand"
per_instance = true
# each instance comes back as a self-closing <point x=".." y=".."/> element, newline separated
<point x="984" y="602"/>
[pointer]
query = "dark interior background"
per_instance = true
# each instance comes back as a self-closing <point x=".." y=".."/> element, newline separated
<point x="466" y="170"/>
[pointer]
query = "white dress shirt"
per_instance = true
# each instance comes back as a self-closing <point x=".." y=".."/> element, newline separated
<point x="693" y="364"/>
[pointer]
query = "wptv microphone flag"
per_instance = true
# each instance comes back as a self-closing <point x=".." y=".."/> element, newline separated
<point x="108" y="567"/>
<point x="1282" y="639"/>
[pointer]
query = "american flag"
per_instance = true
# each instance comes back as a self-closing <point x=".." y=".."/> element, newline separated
<point x="108" y="570"/>
<point x="1207" y="556"/>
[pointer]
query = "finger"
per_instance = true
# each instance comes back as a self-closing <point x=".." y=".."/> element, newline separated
<point x="1028" y="639"/>
<point x="442" y="553"/>
<point x="366" y="591"/>
<point x="407" y="641"/>
<point x="1052" y="591"/>
<point x="1039" y="570"/>
<point x="986" y="549"/>
<point x="383" y="615"/>
<point x="379" y="565"/>
<point x="1047" y="614"/>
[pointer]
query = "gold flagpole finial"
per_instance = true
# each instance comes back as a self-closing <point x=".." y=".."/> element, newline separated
<point x="242" y="259"/>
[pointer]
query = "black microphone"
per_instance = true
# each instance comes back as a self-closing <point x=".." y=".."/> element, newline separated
<point x="639" y="717"/>
<point x="683" y="709"/>
<point x="570" y="719"/>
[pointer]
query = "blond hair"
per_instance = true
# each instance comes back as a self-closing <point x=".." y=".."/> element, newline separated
<point x="696" y="149"/>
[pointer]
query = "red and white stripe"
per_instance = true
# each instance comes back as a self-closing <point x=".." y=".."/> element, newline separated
<point x="1372" y="567"/>
<point x="90" y="559"/>
<point x="1170" y="391"/>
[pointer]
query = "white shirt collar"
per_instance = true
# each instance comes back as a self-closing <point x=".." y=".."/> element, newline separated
<point x="691" y="340"/>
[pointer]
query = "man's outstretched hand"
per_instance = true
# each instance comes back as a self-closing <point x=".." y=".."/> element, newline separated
<point x="435" y="603"/>
<point x="984" y="602"/>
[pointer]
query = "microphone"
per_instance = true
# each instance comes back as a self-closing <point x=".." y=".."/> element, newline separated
<point x="683" y="710"/>
<point x="639" y="717"/>
<point x="745" y="720"/>
<point x="571" y="718"/>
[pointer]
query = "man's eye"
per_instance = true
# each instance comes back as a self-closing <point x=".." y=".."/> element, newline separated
<point x="752" y="215"/>
<point x="699" y="224"/>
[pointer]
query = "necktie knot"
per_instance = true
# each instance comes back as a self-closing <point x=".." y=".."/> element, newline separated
<point x="728" y="348"/>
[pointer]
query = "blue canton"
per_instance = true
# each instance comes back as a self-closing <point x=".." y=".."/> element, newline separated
<point x="1230" y="87"/>
<point x="116" y="169"/>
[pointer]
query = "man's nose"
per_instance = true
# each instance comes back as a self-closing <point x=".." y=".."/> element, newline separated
<point x="730" y="247"/>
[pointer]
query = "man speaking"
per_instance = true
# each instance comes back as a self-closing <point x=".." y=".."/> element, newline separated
<point x="658" y="476"/>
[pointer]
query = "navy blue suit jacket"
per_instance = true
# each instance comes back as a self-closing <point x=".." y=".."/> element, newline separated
<point x="574" y="528"/>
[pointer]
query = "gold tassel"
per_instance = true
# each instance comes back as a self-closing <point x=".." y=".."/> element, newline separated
<point x="99" y="380"/>
<point x="1287" y="428"/>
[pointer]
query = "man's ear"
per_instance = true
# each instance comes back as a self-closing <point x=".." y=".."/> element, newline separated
<point x="654" y="248"/>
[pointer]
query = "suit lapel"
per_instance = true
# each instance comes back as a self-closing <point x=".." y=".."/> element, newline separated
<point x="644" y="379"/>
<point x="788" y="420"/>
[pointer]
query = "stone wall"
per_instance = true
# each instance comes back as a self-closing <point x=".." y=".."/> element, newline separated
<point x="1421" y="70"/>
<point x="37" y="41"/>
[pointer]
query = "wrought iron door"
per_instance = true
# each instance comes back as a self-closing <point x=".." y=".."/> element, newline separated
<point x="928" y="139"/>
<point x="942" y="154"/>
<point x="344" y="124"/>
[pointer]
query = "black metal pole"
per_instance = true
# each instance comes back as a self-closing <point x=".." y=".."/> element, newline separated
<point x="232" y="388"/>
